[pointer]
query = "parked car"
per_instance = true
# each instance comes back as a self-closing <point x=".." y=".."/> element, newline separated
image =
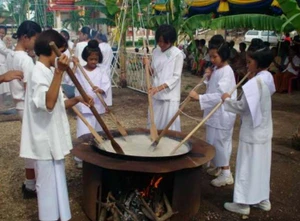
<point x="269" y="36"/>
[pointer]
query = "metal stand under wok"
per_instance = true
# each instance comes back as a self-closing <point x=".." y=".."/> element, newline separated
<point x="185" y="170"/>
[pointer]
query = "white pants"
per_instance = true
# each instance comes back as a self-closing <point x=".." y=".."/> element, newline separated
<point x="29" y="163"/>
<point x="83" y="129"/>
<point x="52" y="192"/>
<point x="164" y="110"/>
<point x="252" y="173"/>
<point x="222" y="141"/>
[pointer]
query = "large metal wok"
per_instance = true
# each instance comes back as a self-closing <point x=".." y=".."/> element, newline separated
<point x="178" y="136"/>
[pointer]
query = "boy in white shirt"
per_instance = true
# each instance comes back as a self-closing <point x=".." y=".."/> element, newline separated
<point x="45" y="131"/>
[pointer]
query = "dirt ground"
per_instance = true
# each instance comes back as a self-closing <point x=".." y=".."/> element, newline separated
<point x="131" y="108"/>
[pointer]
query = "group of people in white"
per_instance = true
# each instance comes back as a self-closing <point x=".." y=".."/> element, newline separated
<point x="253" y="163"/>
<point x="46" y="140"/>
<point x="36" y="90"/>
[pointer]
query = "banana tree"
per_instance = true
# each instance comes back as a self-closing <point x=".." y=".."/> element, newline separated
<point x="74" y="22"/>
<point x="93" y="10"/>
<point x="18" y="10"/>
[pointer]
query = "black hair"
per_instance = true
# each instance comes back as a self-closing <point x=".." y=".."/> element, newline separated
<point x="231" y="44"/>
<point x="101" y="37"/>
<point x="256" y="44"/>
<point x="87" y="31"/>
<point x="42" y="47"/>
<point x="147" y="49"/>
<point x="262" y="55"/>
<point x="93" y="46"/>
<point x="274" y="49"/>
<point x="3" y="27"/>
<point x="202" y="41"/>
<point x="217" y="42"/>
<point x="28" y="28"/>
<point x="167" y="32"/>
<point x="93" y="33"/>
<point x="243" y="45"/>
<point x="267" y="44"/>
<point x="48" y="27"/>
<point x="136" y="50"/>
<point x="287" y="34"/>
<point x="65" y="34"/>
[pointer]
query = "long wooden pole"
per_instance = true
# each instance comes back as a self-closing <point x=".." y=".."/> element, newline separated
<point x="184" y="103"/>
<point x="98" y="138"/>
<point x="153" y="130"/>
<point x="112" y="116"/>
<point x="85" y="97"/>
<point x="208" y="116"/>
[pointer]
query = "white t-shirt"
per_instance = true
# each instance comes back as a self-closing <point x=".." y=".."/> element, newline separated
<point x="19" y="60"/>
<point x="45" y="134"/>
<point x="78" y="51"/>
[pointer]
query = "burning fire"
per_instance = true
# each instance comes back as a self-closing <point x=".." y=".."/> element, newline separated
<point x="154" y="183"/>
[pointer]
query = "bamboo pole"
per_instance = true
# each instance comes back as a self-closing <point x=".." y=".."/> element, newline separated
<point x="114" y="144"/>
<point x="208" y="116"/>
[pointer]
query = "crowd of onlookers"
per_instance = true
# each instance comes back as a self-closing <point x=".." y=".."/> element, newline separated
<point x="285" y="66"/>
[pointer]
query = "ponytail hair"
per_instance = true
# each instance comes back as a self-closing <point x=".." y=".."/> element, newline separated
<point x="28" y="28"/>
<point x="92" y="47"/>
<point x="218" y="42"/>
<point x="93" y="33"/>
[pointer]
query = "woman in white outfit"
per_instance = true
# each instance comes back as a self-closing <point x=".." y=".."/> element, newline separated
<point x="253" y="163"/>
<point x="219" y="127"/>
<point x="167" y="63"/>
<point x="108" y="56"/>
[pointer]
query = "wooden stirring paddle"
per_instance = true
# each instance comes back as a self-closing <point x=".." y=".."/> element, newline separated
<point x="114" y="144"/>
<point x="112" y="116"/>
<point x="184" y="103"/>
<point x="153" y="130"/>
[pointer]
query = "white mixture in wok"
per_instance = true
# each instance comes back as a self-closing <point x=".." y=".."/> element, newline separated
<point x="139" y="145"/>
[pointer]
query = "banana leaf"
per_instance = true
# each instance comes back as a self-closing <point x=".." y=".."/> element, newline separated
<point x="196" y="22"/>
<point x="255" y="21"/>
<point x="292" y="11"/>
<point x="112" y="7"/>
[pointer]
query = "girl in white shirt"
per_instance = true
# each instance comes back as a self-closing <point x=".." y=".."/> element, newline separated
<point x="253" y="163"/>
<point x="167" y="63"/>
<point x="219" y="127"/>
<point x="93" y="57"/>
<point x="45" y="131"/>
<point x="19" y="60"/>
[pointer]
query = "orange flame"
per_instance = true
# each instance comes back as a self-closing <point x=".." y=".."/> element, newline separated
<point x="154" y="183"/>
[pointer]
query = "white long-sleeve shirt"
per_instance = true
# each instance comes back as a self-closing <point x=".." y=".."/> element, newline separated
<point x="255" y="108"/>
<point x="167" y="67"/>
<point x="221" y="81"/>
<point x="99" y="79"/>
